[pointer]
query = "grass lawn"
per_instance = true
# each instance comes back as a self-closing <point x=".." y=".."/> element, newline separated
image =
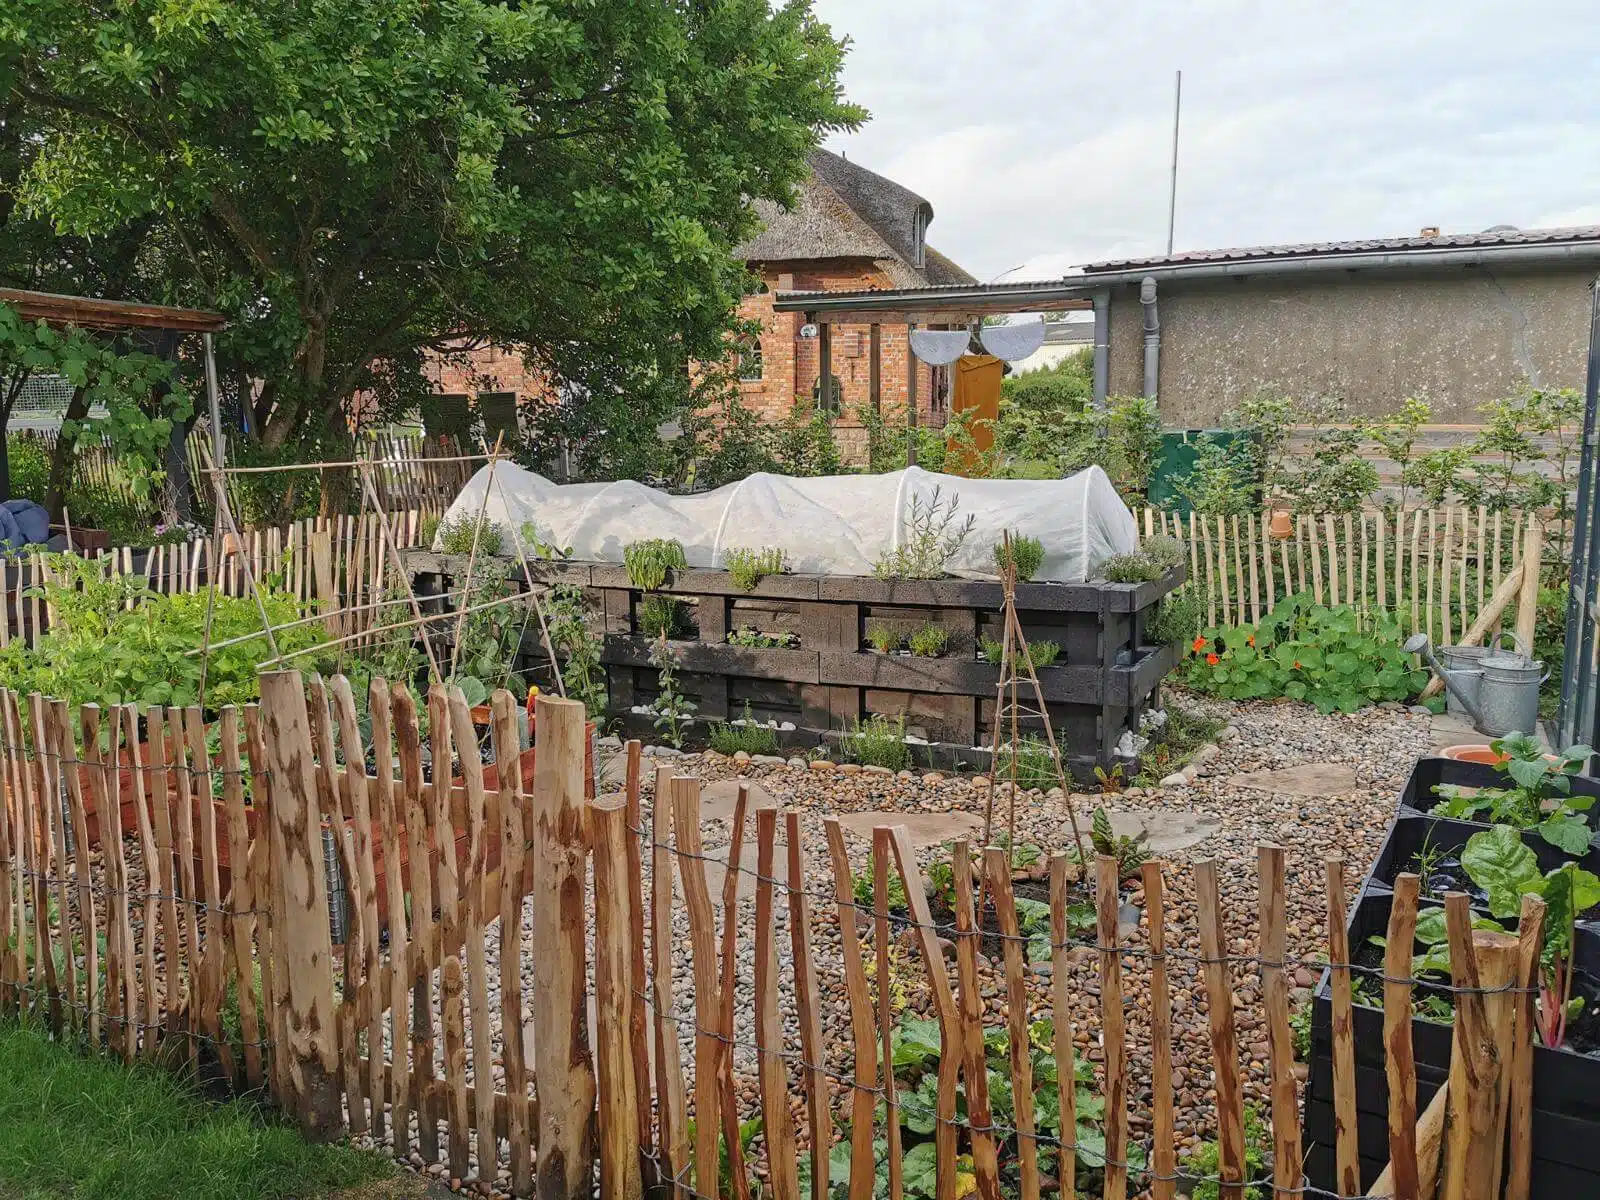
<point x="84" y="1127"/>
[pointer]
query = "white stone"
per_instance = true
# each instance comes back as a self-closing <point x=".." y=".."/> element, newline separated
<point x="769" y="760"/>
<point x="1176" y="779"/>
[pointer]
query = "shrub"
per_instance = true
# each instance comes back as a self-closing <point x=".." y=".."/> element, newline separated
<point x="881" y="637"/>
<point x="662" y="617"/>
<point x="878" y="741"/>
<point x="456" y="537"/>
<point x="1177" y="618"/>
<point x="1036" y="766"/>
<point x="929" y="641"/>
<point x="932" y="539"/>
<point x="745" y="566"/>
<point x="748" y="734"/>
<point x="1137" y="567"/>
<point x="1026" y="554"/>
<point x="649" y="561"/>
<point x="1323" y="656"/>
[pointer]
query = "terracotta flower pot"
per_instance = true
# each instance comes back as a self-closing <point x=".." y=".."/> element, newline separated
<point x="1282" y="526"/>
<point x="1474" y="753"/>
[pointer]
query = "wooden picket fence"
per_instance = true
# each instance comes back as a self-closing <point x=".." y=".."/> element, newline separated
<point x="1433" y="570"/>
<point x="341" y="566"/>
<point x="190" y="922"/>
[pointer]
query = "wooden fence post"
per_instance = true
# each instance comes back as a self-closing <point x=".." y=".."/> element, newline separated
<point x="563" y="1066"/>
<point x="313" y="1060"/>
<point x="1528" y="594"/>
<point x="618" y="1119"/>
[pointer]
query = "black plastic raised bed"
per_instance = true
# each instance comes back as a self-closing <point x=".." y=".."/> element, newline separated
<point x="1418" y="794"/>
<point x="1096" y="689"/>
<point x="1566" y="1082"/>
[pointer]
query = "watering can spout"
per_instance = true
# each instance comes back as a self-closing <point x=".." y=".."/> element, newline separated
<point x="1460" y="684"/>
<point x="1416" y="643"/>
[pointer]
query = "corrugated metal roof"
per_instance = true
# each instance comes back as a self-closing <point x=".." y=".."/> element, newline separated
<point x="1489" y="238"/>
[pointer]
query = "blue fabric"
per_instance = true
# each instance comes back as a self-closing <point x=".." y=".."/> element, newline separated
<point x="23" y="523"/>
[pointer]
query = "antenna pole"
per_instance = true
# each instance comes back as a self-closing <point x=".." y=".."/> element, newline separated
<point x="1172" y="189"/>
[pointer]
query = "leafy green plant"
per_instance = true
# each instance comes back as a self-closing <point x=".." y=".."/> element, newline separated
<point x="1542" y="800"/>
<point x="1026" y="555"/>
<point x="1177" y="618"/>
<point x="932" y="537"/>
<point x="1174" y="741"/>
<point x="490" y="640"/>
<point x="456" y="537"/>
<point x="1040" y="654"/>
<point x="882" y="637"/>
<point x="1300" y="1030"/>
<point x="746" y="567"/>
<point x="662" y="617"/>
<point x="1329" y="657"/>
<point x="863" y="888"/>
<point x="1206" y="1161"/>
<point x="649" y="561"/>
<point x="575" y="643"/>
<point x="673" y="711"/>
<point x="929" y="641"/>
<point x="749" y="635"/>
<point x="1035" y="765"/>
<point x="1131" y="853"/>
<point x="747" y="734"/>
<point x="879" y="741"/>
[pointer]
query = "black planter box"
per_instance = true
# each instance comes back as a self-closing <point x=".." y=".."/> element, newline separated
<point x="1566" y="1085"/>
<point x="1418" y="794"/>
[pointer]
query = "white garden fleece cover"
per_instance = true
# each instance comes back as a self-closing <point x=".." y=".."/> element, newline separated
<point x="826" y="525"/>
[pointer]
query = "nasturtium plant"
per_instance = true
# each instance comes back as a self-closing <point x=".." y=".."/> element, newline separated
<point x="1333" y="658"/>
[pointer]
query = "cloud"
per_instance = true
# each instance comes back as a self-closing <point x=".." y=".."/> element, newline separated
<point x="1040" y="131"/>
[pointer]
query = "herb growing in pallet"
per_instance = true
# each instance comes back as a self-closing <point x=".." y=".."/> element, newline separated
<point x="882" y="637"/>
<point x="746" y="566"/>
<point x="1026" y="556"/>
<point x="933" y="535"/>
<point x="663" y="617"/>
<point x="1041" y="654"/>
<point x="673" y="712"/>
<point x="749" y="635"/>
<point x="649" y="561"/>
<point x="878" y="741"/>
<point x="928" y="642"/>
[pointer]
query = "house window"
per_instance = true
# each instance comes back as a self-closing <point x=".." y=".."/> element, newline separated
<point x="749" y="360"/>
<point x="835" y="400"/>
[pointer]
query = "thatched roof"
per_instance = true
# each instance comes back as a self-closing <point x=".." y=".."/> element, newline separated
<point x="843" y="210"/>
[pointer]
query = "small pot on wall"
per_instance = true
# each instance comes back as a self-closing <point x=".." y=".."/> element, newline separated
<point x="1282" y="526"/>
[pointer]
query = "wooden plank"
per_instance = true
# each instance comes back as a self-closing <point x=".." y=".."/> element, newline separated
<point x="214" y="958"/>
<point x="1113" y="1033"/>
<point x="618" y="1119"/>
<point x="702" y="942"/>
<point x="1333" y="559"/>
<point x="308" y="949"/>
<point x="1519" y="1122"/>
<point x="1251" y="546"/>
<point x="772" y="1074"/>
<point x="1225" y="607"/>
<point x="1349" y="558"/>
<point x="1224" y="1041"/>
<point x="182" y="816"/>
<point x="638" y="1034"/>
<point x="1163" y="1149"/>
<point x="1308" y="526"/>
<point x="1269" y="585"/>
<point x="670" y="1099"/>
<point x="819" y="1117"/>
<point x="1280" y="1038"/>
<point x="67" y="759"/>
<point x="1346" y="1145"/>
<point x="420" y="880"/>
<point x="985" y="1165"/>
<point x="159" y="797"/>
<point x="242" y="900"/>
<point x="1528" y="595"/>
<point x="507" y="750"/>
<point x="1238" y="572"/>
<point x="1211" y="583"/>
<point x="267" y="861"/>
<point x="728" y="1105"/>
<point x="442" y="835"/>
<point x="1416" y="542"/>
<point x="997" y="882"/>
<point x="880" y="938"/>
<point x="862" y="1031"/>
<point x="944" y="1007"/>
<point x="150" y="926"/>
<point x="109" y="818"/>
<point x="1399" y="1062"/>
<point x="39" y="802"/>
<point x="452" y="985"/>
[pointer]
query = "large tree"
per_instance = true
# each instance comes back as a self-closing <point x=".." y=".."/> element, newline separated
<point x="358" y="183"/>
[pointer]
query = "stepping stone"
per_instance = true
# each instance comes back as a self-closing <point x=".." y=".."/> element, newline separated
<point x="1169" y="830"/>
<point x="1309" y="779"/>
<point x="926" y="829"/>
<point x="717" y="869"/>
<point x="717" y="801"/>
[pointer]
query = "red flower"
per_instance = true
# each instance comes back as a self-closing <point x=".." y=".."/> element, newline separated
<point x="1212" y="660"/>
<point x="1199" y="645"/>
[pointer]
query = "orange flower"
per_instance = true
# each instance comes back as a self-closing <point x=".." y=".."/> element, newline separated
<point x="1199" y="645"/>
<point x="1250" y="640"/>
<point x="1212" y="660"/>
<point x="1297" y="664"/>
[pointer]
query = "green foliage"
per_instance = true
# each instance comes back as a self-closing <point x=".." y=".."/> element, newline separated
<point x="747" y="734"/>
<point x="1225" y="479"/>
<point x="1327" y="657"/>
<point x="1159" y="554"/>
<point x="102" y="652"/>
<point x="1068" y="384"/>
<point x="882" y="637"/>
<point x="1542" y="799"/>
<point x="1175" y="742"/>
<point x="746" y="566"/>
<point x="1396" y="435"/>
<point x="938" y="449"/>
<point x="30" y="468"/>
<point x="879" y="741"/>
<point x="1133" y="431"/>
<point x="1300" y="1030"/>
<point x="929" y="641"/>
<point x="1335" y="476"/>
<point x="932" y="537"/>
<point x="491" y="638"/>
<point x="1041" y="653"/>
<point x="460" y="535"/>
<point x="673" y="711"/>
<point x="749" y="635"/>
<point x="863" y="888"/>
<point x="1131" y="853"/>
<point x="557" y="177"/>
<point x="1207" y="1160"/>
<point x="1177" y="617"/>
<point x="648" y="561"/>
<point x="662" y="616"/>
<point x="1026" y="555"/>
<point x="577" y="647"/>
<point x="727" y="441"/>
<point x="1035" y="765"/>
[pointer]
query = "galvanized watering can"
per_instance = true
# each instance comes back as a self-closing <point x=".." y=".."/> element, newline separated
<point x="1498" y="689"/>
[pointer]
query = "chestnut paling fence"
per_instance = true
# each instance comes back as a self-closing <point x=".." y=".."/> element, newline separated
<point x="165" y="898"/>
<point x="1434" y="570"/>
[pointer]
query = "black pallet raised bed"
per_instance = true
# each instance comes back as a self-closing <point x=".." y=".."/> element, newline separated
<point x="1097" y="688"/>
<point x="1418" y="794"/>
<point x="1566" y="1084"/>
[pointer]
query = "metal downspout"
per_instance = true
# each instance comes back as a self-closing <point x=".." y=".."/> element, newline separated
<point x="1102" y="346"/>
<point x="1578" y="720"/>
<point x="1152" y="336"/>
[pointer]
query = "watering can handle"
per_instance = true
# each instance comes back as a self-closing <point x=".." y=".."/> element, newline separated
<point x="1517" y="643"/>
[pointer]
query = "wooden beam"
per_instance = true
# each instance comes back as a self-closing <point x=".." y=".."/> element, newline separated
<point x="875" y="367"/>
<point x="825" y="369"/>
<point x="883" y="310"/>
<point x="92" y="313"/>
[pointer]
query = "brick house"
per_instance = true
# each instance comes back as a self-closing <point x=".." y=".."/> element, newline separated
<point x="849" y="229"/>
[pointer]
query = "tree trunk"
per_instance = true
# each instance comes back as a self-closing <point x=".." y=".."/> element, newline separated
<point x="65" y="453"/>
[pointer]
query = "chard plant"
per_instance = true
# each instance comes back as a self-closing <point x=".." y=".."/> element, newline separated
<point x="1542" y="799"/>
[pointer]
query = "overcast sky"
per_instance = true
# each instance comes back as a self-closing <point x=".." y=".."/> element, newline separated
<point x="1040" y="130"/>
